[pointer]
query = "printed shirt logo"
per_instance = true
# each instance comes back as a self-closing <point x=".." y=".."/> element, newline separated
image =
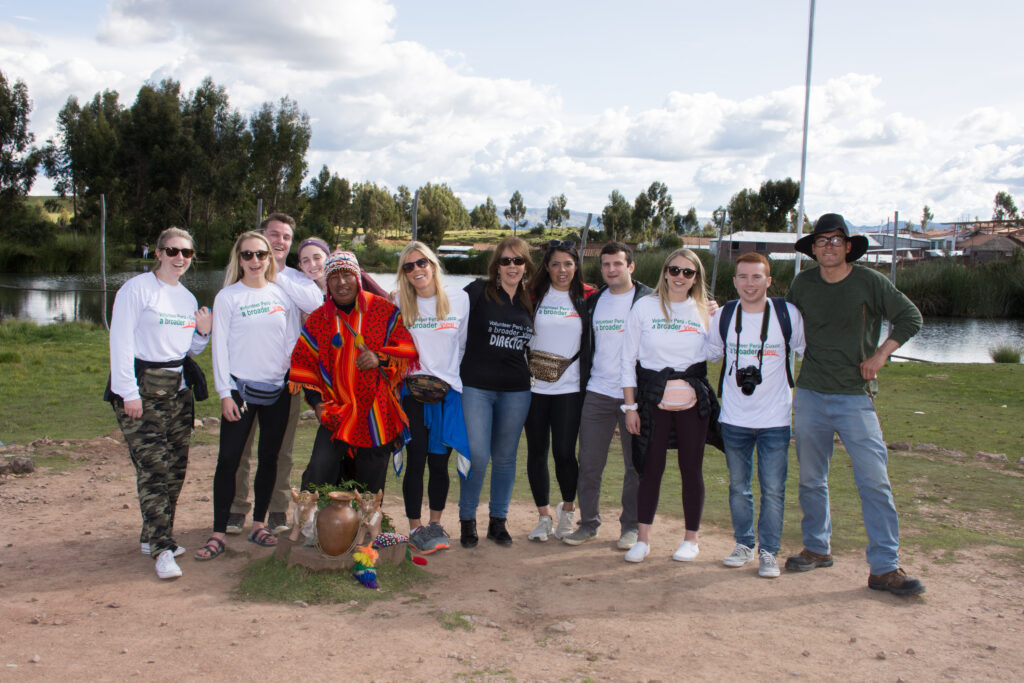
<point x="676" y="325"/>
<point x="507" y="335"/>
<point x="186" y="322"/>
<point x="610" y="325"/>
<point x="432" y="323"/>
<point x="261" y="308"/>
<point x="557" y="311"/>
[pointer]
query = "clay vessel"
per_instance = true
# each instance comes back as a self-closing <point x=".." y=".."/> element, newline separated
<point x="337" y="524"/>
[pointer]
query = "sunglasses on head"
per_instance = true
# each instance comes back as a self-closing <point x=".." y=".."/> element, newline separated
<point x="509" y="260"/>
<point x="418" y="263"/>
<point x="674" y="271"/>
<point x="564" y="245"/>
<point x="248" y="255"/>
<point x="174" y="251"/>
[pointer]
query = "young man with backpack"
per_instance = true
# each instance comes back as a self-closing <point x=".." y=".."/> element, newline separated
<point x="758" y="336"/>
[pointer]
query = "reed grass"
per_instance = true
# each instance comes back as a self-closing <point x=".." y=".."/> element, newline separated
<point x="1005" y="354"/>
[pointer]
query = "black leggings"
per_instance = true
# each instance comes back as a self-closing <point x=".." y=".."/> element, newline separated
<point x="555" y="420"/>
<point x="417" y="459"/>
<point x="330" y="464"/>
<point x="273" y="421"/>
<point x="690" y="430"/>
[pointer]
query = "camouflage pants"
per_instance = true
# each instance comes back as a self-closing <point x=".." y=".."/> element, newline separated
<point x="158" y="443"/>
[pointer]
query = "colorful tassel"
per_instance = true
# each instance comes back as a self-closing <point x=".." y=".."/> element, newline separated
<point x="365" y="557"/>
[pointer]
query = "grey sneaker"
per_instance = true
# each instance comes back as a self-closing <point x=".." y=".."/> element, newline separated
<point x="769" y="565"/>
<point x="543" y="530"/>
<point x="627" y="539"/>
<point x="278" y="522"/>
<point x="580" y="536"/>
<point x="739" y="556"/>
<point x="444" y="541"/>
<point x="423" y="541"/>
<point x="236" y="520"/>
<point x="566" y="521"/>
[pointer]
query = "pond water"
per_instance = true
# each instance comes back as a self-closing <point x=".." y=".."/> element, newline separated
<point x="55" y="298"/>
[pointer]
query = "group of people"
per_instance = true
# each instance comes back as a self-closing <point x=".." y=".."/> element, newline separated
<point x="405" y="378"/>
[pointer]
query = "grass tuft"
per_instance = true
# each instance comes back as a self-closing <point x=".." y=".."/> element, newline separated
<point x="1005" y="354"/>
<point x="453" y="619"/>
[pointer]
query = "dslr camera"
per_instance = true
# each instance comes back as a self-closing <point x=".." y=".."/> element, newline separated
<point x="748" y="378"/>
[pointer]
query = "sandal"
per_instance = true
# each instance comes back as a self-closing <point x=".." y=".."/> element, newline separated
<point x="263" y="537"/>
<point x="214" y="547"/>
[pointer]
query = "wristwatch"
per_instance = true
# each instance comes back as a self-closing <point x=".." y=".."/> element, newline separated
<point x="628" y="406"/>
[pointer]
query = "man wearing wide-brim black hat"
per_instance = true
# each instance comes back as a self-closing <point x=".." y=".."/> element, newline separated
<point x="843" y="305"/>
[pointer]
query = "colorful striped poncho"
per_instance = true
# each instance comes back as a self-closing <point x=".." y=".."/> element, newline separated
<point x="360" y="407"/>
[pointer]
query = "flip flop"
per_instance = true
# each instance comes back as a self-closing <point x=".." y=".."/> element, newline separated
<point x="214" y="547"/>
<point x="263" y="537"/>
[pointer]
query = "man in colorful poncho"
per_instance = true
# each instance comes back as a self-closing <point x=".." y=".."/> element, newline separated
<point x="351" y="356"/>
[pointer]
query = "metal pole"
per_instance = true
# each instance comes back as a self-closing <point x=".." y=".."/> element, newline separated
<point x="895" y="236"/>
<point x="103" y="255"/>
<point x="586" y="229"/>
<point x="803" y="150"/>
<point x="259" y="213"/>
<point x="415" y="215"/>
<point x="718" y="252"/>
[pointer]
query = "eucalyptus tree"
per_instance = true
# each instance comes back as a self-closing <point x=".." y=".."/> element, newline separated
<point x="617" y="217"/>
<point x="280" y="139"/>
<point x="515" y="214"/>
<point x="485" y="216"/>
<point x="439" y="211"/>
<point x="557" y="213"/>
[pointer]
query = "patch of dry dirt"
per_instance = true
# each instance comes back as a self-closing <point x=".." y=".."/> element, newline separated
<point x="78" y="601"/>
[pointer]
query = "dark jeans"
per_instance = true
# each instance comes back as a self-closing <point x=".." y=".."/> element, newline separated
<point x="417" y="459"/>
<point x="330" y="464"/>
<point x="553" y="420"/>
<point x="690" y="430"/>
<point x="273" y="420"/>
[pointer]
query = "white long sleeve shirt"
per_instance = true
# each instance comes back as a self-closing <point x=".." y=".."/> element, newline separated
<point x="658" y="343"/>
<point x="304" y="293"/>
<point x="252" y="335"/>
<point x="441" y="343"/>
<point x="152" y="321"/>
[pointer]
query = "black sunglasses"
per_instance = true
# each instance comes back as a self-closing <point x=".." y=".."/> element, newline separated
<point x="174" y="251"/>
<point x="674" y="271"/>
<point x="247" y="255"/>
<point x="509" y="260"/>
<point x="564" y="245"/>
<point x="418" y="263"/>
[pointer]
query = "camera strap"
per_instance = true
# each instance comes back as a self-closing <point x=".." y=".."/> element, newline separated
<point x="764" y="336"/>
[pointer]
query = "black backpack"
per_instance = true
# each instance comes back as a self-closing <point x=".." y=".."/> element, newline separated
<point x="781" y="312"/>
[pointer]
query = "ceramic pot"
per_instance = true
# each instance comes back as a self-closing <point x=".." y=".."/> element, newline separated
<point x="337" y="524"/>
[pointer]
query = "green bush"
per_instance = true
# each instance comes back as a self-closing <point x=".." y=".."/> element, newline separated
<point x="1005" y="353"/>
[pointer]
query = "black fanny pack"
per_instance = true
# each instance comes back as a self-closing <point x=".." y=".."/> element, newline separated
<point x="259" y="393"/>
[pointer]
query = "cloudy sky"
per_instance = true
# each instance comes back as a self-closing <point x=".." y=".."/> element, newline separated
<point x="912" y="103"/>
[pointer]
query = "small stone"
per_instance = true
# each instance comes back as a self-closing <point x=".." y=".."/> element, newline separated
<point x="805" y="653"/>
<point x="22" y="465"/>
<point x="880" y="654"/>
<point x="301" y="603"/>
<point x="94" y="614"/>
<point x="307" y="415"/>
<point x="204" y="499"/>
<point x="899" y="446"/>
<point x="163" y="623"/>
<point x="34" y="620"/>
<point x="990" y="647"/>
<point x="561" y="627"/>
<point x="910" y="651"/>
<point x="113" y="605"/>
<point x="125" y="506"/>
<point x="211" y="422"/>
<point x="87" y="533"/>
<point x="711" y="634"/>
<point x="35" y="659"/>
<point x="124" y="650"/>
<point x="853" y="640"/>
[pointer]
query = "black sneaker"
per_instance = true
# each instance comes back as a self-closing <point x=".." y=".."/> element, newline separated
<point x="896" y="582"/>
<point x="807" y="560"/>
<point x="236" y="521"/>
<point x="497" y="532"/>
<point x="468" y="539"/>
<point x="278" y="522"/>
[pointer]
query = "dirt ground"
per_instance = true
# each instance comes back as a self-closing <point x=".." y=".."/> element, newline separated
<point x="79" y="602"/>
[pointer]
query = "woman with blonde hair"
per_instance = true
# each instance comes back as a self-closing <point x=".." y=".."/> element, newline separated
<point x="437" y="318"/>
<point x="496" y="384"/>
<point x="665" y="388"/>
<point x="251" y="353"/>
<point x="156" y="326"/>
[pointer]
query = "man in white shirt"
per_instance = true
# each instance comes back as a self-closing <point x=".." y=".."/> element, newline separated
<point x="607" y="310"/>
<point x="279" y="229"/>
<point x="757" y="399"/>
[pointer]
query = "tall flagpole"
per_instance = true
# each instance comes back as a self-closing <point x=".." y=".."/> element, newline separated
<point x="803" y="151"/>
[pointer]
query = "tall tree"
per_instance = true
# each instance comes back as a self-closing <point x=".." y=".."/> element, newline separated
<point x="280" y="138"/>
<point x="515" y="214"/>
<point x="690" y="223"/>
<point x="1004" y="207"/>
<point x="644" y="211"/>
<point x="485" y="216"/>
<point x="926" y="217"/>
<point x="778" y="198"/>
<point x="664" y="214"/>
<point x="375" y="208"/>
<point x="747" y="211"/>
<point x="439" y="211"/>
<point x="61" y="156"/>
<point x="19" y="159"/>
<point x="617" y="216"/>
<point x="557" y="213"/>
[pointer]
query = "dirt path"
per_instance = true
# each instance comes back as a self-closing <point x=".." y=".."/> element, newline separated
<point x="79" y="602"/>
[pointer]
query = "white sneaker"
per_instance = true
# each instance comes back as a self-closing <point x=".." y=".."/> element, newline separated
<point x="146" y="550"/>
<point x="739" y="556"/>
<point x="627" y="539"/>
<point x="769" y="565"/>
<point x="686" y="552"/>
<point x="638" y="552"/>
<point x="543" y="530"/>
<point x="166" y="567"/>
<point x="566" y="521"/>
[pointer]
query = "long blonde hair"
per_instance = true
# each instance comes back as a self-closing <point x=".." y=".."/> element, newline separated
<point x="407" y="293"/>
<point x="698" y="292"/>
<point x="233" y="272"/>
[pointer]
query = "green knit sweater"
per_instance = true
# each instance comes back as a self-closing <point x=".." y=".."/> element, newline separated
<point x="842" y="321"/>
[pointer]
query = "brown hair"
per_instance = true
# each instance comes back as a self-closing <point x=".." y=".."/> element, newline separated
<point x="280" y="218"/>
<point x="521" y="248"/>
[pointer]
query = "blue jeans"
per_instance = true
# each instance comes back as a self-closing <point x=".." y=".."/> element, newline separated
<point x="772" y="465"/>
<point x="816" y="416"/>
<point x="494" y="423"/>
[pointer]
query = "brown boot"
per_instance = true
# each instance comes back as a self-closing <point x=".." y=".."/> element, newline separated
<point x="896" y="582"/>
<point x="807" y="560"/>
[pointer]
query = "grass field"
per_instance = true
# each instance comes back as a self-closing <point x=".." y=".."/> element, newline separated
<point x="54" y="377"/>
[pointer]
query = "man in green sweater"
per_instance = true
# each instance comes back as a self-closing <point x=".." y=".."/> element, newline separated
<point x="843" y="306"/>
